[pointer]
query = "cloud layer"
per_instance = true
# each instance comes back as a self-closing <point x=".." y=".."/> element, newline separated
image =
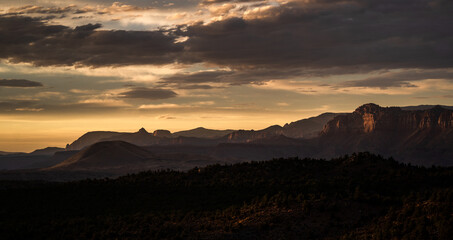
<point x="30" y="40"/>
<point x="352" y="35"/>
<point x="23" y="83"/>
<point x="400" y="78"/>
<point x="148" y="93"/>
<point x="365" y="34"/>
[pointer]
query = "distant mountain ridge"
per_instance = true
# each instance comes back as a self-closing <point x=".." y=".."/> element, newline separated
<point x="90" y="138"/>
<point x="47" y="151"/>
<point x="305" y="128"/>
<point x="201" y="132"/>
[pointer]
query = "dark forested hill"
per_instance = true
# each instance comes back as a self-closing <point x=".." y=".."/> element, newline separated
<point x="362" y="196"/>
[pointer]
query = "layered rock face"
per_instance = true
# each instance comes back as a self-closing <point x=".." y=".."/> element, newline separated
<point x="422" y="137"/>
<point x="370" y="118"/>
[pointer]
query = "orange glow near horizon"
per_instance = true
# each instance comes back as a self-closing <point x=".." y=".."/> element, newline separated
<point x="28" y="135"/>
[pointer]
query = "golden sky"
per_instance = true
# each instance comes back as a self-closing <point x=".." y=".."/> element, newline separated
<point x="66" y="69"/>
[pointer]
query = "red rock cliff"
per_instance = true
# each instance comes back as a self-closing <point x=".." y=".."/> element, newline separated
<point x="370" y="118"/>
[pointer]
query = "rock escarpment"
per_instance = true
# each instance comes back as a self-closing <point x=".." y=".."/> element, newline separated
<point x="371" y="118"/>
<point x="419" y="136"/>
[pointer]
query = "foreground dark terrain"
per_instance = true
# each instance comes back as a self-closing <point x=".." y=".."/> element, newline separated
<point x="362" y="196"/>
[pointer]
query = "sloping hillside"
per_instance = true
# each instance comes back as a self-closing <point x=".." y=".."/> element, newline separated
<point x="106" y="155"/>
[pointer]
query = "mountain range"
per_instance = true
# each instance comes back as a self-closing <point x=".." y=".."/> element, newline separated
<point x="421" y="135"/>
<point x="305" y="128"/>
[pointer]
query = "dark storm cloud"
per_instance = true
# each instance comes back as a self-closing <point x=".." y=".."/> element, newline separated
<point x="399" y="79"/>
<point x="354" y="34"/>
<point x="19" y="83"/>
<point x="26" y="39"/>
<point x="148" y="93"/>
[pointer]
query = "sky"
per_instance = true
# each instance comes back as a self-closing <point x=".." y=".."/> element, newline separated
<point x="69" y="68"/>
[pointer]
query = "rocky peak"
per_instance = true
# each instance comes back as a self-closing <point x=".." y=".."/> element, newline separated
<point x="277" y="129"/>
<point x="368" y="108"/>
<point x="142" y="131"/>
